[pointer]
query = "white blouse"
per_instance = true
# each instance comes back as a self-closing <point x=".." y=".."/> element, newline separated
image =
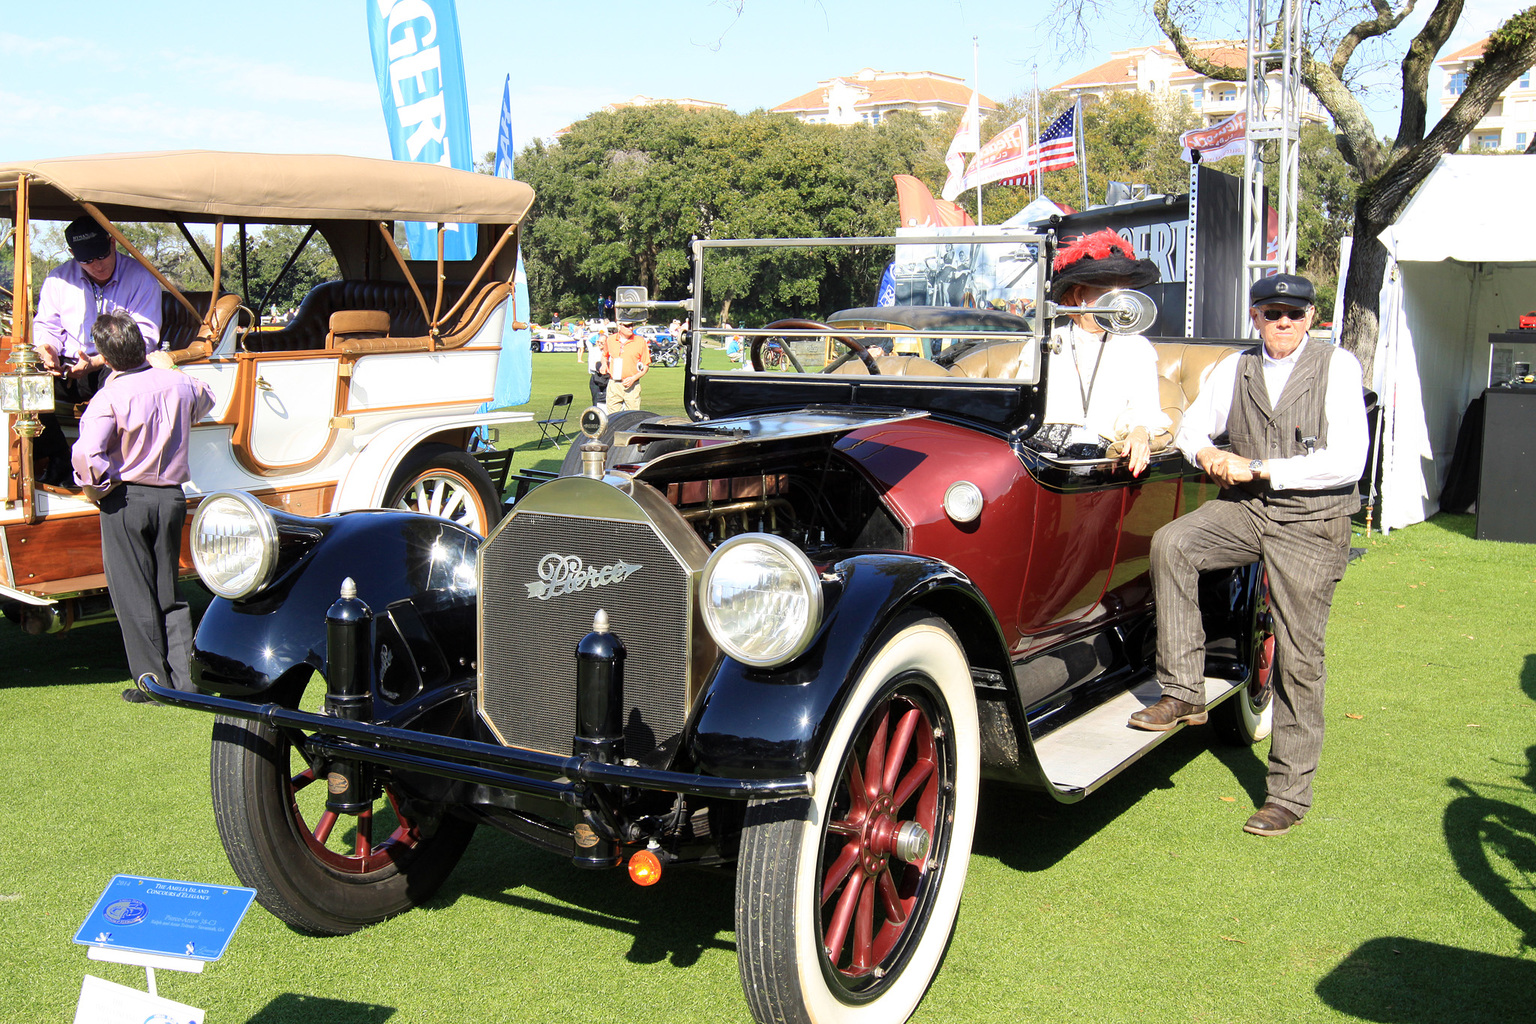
<point x="1122" y="395"/>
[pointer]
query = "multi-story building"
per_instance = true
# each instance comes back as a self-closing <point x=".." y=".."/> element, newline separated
<point x="1157" y="69"/>
<point x="869" y="95"/>
<point x="1510" y="122"/>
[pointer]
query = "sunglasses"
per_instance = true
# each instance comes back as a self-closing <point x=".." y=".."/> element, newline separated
<point x="98" y="259"/>
<point x="1289" y="314"/>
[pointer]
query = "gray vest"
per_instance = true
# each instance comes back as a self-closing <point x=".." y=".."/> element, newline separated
<point x="1258" y="431"/>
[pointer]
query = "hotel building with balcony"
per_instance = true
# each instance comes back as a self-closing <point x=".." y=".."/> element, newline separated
<point x="1510" y="122"/>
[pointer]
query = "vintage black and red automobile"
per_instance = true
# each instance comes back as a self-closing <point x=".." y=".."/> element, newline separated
<point x="793" y="632"/>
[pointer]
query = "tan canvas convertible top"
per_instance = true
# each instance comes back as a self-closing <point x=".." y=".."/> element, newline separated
<point x="266" y="187"/>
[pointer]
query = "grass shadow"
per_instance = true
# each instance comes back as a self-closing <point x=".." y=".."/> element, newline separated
<point x="1462" y="525"/>
<point x="1407" y="981"/>
<point x="292" y="1008"/>
<point x="1528" y="676"/>
<point x="505" y="870"/>
<point x="1029" y="831"/>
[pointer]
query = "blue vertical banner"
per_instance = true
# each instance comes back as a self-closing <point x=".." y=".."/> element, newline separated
<point x="514" y="370"/>
<point x="420" y="68"/>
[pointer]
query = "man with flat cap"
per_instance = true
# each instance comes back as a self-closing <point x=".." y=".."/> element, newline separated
<point x="97" y="280"/>
<point x="1294" y="413"/>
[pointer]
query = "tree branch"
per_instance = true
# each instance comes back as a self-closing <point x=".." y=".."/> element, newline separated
<point x="1191" y="57"/>
<point x="1417" y="63"/>
<point x="1385" y="21"/>
<point x="1508" y="56"/>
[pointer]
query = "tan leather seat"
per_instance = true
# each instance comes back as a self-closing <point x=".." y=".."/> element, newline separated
<point x="994" y="362"/>
<point x="895" y="366"/>
<point x="1182" y="370"/>
<point x="357" y="325"/>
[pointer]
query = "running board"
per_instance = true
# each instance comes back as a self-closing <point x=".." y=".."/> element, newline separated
<point x="1093" y="748"/>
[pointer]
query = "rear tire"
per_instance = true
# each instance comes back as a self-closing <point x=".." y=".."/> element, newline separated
<point x="1246" y="717"/>
<point x="304" y="875"/>
<point x="836" y="921"/>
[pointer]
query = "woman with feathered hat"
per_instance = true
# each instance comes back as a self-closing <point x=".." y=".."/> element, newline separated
<point x="1102" y="387"/>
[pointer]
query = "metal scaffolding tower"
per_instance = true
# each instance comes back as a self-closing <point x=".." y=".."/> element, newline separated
<point x="1273" y="122"/>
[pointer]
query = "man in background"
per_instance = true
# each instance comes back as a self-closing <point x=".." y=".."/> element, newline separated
<point x="626" y="358"/>
<point x="132" y="459"/>
<point x="97" y="280"/>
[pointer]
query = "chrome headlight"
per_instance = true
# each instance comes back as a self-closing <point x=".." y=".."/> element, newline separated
<point x="234" y="543"/>
<point x="761" y="599"/>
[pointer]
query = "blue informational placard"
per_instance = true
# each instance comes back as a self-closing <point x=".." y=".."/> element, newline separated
<point x="164" y="916"/>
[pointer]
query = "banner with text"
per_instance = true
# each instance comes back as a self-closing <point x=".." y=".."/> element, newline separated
<point x="1228" y="138"/>
<point x="420" y="68"/>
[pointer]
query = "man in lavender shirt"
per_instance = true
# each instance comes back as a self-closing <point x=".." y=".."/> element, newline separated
<point x="97" y="280"/>
<point x="132" y="457"/>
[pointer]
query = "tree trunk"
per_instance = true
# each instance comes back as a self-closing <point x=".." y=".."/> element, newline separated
<point x="725" y="311"/>
<point x="1362" y="291"/>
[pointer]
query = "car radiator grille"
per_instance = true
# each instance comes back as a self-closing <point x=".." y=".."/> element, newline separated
<point x="528" y="645"/>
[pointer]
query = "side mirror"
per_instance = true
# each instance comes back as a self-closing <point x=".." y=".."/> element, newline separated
<point x="1122" y="311"/>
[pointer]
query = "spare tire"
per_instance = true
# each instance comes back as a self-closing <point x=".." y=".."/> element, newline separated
<point x="622" y="454"/>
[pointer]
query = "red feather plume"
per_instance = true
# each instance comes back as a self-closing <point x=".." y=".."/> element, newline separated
<point x="1097" y="246"/>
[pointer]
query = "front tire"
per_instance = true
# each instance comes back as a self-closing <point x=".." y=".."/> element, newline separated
<point x="269" y="807"/>
<point x="439" y="480"/>
<point x="840" y="917"/>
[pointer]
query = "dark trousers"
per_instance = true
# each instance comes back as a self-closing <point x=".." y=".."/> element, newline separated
<point x="598" y="384"/>
<point x="140" y="546"/>
<point x="1305" y="561"/>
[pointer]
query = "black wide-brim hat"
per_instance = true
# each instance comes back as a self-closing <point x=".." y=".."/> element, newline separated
<point x="1103" y="259"/>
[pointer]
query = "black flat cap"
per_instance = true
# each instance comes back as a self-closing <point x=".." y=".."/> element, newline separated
<point x="1284" y="289"/>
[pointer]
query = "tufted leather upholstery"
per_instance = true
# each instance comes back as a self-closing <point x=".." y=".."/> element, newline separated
<point x="1182" y="370"/>
<point x="994" y="362"/>
<point x="182" y="335"/>
<point x="894" y="366"/>
<point x="311" y="322"/>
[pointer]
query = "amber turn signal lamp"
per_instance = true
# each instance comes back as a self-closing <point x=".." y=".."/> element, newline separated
<point x="645" y="868"/>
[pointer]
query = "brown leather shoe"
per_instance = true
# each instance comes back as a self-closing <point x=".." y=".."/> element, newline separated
<point x="1167" y="713"/>
<point x="1271" y="820"/>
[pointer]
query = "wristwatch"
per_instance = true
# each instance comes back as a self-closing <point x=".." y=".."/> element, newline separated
<point x="1256" y="466"/>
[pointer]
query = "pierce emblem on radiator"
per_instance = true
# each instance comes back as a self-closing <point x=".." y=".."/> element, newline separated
<point x="565" y="574"/>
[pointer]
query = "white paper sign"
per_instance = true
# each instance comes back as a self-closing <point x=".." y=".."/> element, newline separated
<point x="105" y="1002"/>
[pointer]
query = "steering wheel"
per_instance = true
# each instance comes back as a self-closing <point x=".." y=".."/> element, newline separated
<point x="855" y="347"/>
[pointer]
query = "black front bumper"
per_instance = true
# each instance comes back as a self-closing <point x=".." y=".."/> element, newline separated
<point x="487" y="764"/>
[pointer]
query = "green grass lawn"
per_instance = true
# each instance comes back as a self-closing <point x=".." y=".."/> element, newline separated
<point x="1408" y="895"/>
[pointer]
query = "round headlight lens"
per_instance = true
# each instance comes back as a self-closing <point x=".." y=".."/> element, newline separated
<point x="234" y="543"/>
<point x="761" y="599"/>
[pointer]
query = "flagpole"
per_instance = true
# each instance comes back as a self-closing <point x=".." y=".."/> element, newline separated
<point x="1081" y="140"/>
<point x="1039" y="184"/>
<point x="976" y="78"/>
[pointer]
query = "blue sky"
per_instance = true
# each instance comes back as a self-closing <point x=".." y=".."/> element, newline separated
<point x="290" y="76"/>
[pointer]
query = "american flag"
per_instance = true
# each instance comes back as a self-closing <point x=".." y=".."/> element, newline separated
<point x="1056" y="149"/>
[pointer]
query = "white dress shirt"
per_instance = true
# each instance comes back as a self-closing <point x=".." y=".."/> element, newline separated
<point x="1340" y="463"/>
<point x="1124" y="394"/>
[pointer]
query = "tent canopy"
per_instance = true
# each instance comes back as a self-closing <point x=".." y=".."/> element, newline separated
<point x="203" y="186"/>
<point x="1462" y="270"/>
<point x="1472" y="209"/>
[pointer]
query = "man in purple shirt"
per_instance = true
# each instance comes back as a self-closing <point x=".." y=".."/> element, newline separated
<point x="132" y="456"/>
<point x="98" y="280"/>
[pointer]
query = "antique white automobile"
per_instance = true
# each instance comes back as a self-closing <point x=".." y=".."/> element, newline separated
<point x="366" y="399"/>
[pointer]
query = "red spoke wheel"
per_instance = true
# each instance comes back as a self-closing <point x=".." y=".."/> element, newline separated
<point x="846" y="901"/>
<point x="315" y="870"/>
<point x="1247" y="717"/>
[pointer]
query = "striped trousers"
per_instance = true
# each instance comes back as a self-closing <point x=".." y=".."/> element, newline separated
<point x="1305" y="560"/>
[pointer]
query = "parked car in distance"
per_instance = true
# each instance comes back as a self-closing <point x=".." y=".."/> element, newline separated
<point x="791" y="632"/>
<point x="545" y="340"/>
<point x="365" y="397"/>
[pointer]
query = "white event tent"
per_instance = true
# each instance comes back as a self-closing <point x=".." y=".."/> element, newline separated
<point x="1462" y="266"/>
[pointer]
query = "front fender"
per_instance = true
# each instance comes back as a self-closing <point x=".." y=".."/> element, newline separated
<point x="766" y="723"/>
<point x="416" y="573"/>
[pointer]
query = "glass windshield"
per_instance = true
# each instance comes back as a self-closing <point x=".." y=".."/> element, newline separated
<point x="925" y="303"/>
